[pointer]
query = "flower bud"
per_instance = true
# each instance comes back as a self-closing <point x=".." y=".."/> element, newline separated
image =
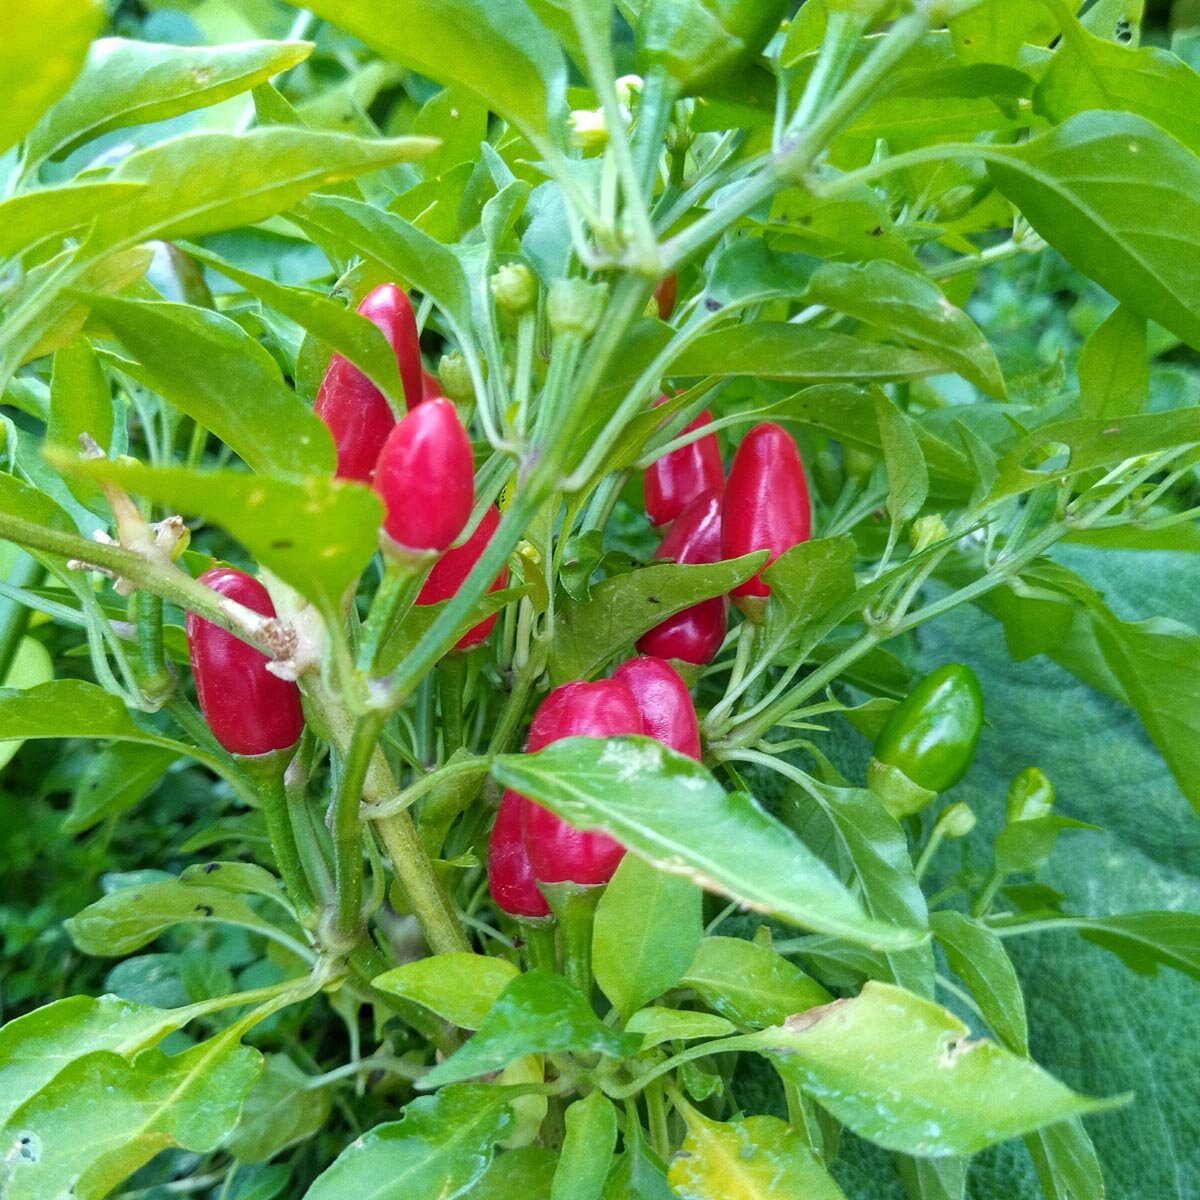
<point x="514" y="288"/>
<point x="589" y="131"/>
<point x="1030" y="795"/>
<point x="926" y="531"/>
<point x="957" y="821"/>
<point x="575" y="307"/>
<point x="455" y="377"/>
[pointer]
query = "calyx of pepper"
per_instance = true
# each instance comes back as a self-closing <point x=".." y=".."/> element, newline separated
<point x="900" y="795"/>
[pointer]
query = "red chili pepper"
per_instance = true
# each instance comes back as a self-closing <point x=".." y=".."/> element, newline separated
<point x="510" y="873"/>
<point x="249" y="710"/>
<point x="558" y="852"/>
<point x="675" y="480"/>
<point x="454" y="566"/>
<point x="766" y="501"/>
<point x="664" y="295"/>
<point x="354" y="409"/>
<point x="664" y="701"/>
<point x="694" y="635"/>
<point x="426" y="477"/>
<point x="431" y="388"/>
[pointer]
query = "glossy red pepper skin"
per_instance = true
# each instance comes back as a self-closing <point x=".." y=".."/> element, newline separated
<point x="249" y="710"/>
<point x="431" y="387"/>
<point x="454" y="566"/>
<point x="665" y="294"/>
<point x="672" y="482"/>
<point x="767" y="505"/>
<point x="664" y="702"/>
<point x="558" y="852"/>
<point x="510" y="873"/>
<point x="694" y="635"/>
<point x="426" y="477"/>
<point x="353" y="408"/>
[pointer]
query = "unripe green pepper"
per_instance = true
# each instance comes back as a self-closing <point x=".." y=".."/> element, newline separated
<point x="930" y="738"/>
<point x="455" y="377"/>
<point x="514" y="288"/>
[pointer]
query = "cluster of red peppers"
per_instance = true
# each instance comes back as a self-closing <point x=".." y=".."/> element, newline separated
<point x="764" y="504"/>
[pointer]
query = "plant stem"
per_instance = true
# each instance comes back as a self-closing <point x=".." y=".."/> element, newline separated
<point x="26" y="572"/>
<point x="347" y="828"/>
<point x="267" y="771"/>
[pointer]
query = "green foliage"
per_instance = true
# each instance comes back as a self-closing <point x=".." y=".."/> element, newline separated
<point x="952" y="249"/>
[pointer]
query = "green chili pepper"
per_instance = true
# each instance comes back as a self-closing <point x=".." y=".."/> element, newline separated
<point x="931" y="736"/>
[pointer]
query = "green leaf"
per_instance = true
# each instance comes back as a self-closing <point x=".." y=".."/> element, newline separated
<point x="395" y="246"/>
<point x="441" y="1147"/>
<point x="316" y="534"/>
<point x="131" y="917"/>
<point x="1144" y="941"/>
<point x="621" y="608"/>
<point x="911" y="307"/>
<point x="527" y="1172"/>
<point x="537" y="1013"/>
<point x="995" y="31"/>
<point x="114" y="781"/>
<point x="648" y="925"/>
<point x="407" y="635"/>
<point x="1114" y="371"/>
<point x="49" y="212"/>
<point x="668" y="809"/>
<point x="42" y="50"/>
<point x="1157" y="663"/>
<point x="102" y="1117"/>
<point x="281" y="1110"/>
<point x="800" y="353"/>
<point x="977" y="956"/>
<point x="1066" y="1162"/>
<point x="208" y="367"/>
<point x="263" y="172"/>
<point x="73" y="708"/>
<point x="807" y="583"/>
<point x="1090" y="444"/>
<point x="31" y="666"/>
<point x="1089" y="72"/>
<point x="1026" y="845"/>
<point x="459" y="987"/>
<point x="749" y="984"/>
<point x="80" y="403"/>
<point x="133" y="83"/>
<point x="901" y="1071"/>
<point x="908" y="477"/>
<point x="756" y="1158"/>
<point x="496" y="49"/>
<point x="34" y="1048"/>
<point x="870" y="841"/>
<point x="658" y="1025"/>
<point x="1085" y="188"/>
<point x="587" y="1149"/>
<point x="342" y="329"/>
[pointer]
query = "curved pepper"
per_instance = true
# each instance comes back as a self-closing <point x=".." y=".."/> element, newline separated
<point x="664" y="701"/>
<point x="675" y="480"/>
<point x="353" y="408"/>
<point x="454" y="566"/>
<point x="695" y="634"/>
<point x="249" y="710"/>
<point x="558" y="852"/>
<point x="426" y="477"/>
<point x="767" y="506"/>
<point x="932" y="734"/>
<point x="510" y="873"/>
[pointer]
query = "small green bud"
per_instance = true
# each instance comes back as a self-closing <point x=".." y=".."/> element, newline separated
<point x="514" y="288"/>
<point x="926" y="531"/>
<point x="857" y="463"/>
<point x="455" y="377"/>
<point x="1030" y="795"/>
<point x="575" y="307"/>
<point x="588" y="130"/>
<point x="957" y="821"/>
<point x="828" y="476"/>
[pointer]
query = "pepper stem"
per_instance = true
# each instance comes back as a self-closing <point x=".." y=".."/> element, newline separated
<point x="267" y="772"/>
<point x="541" y="942"/>
<point x="574" y="904"/>
<point x="403" y="575"/>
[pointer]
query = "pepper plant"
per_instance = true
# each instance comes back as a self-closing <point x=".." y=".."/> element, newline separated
<point x="365" y="449"/>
